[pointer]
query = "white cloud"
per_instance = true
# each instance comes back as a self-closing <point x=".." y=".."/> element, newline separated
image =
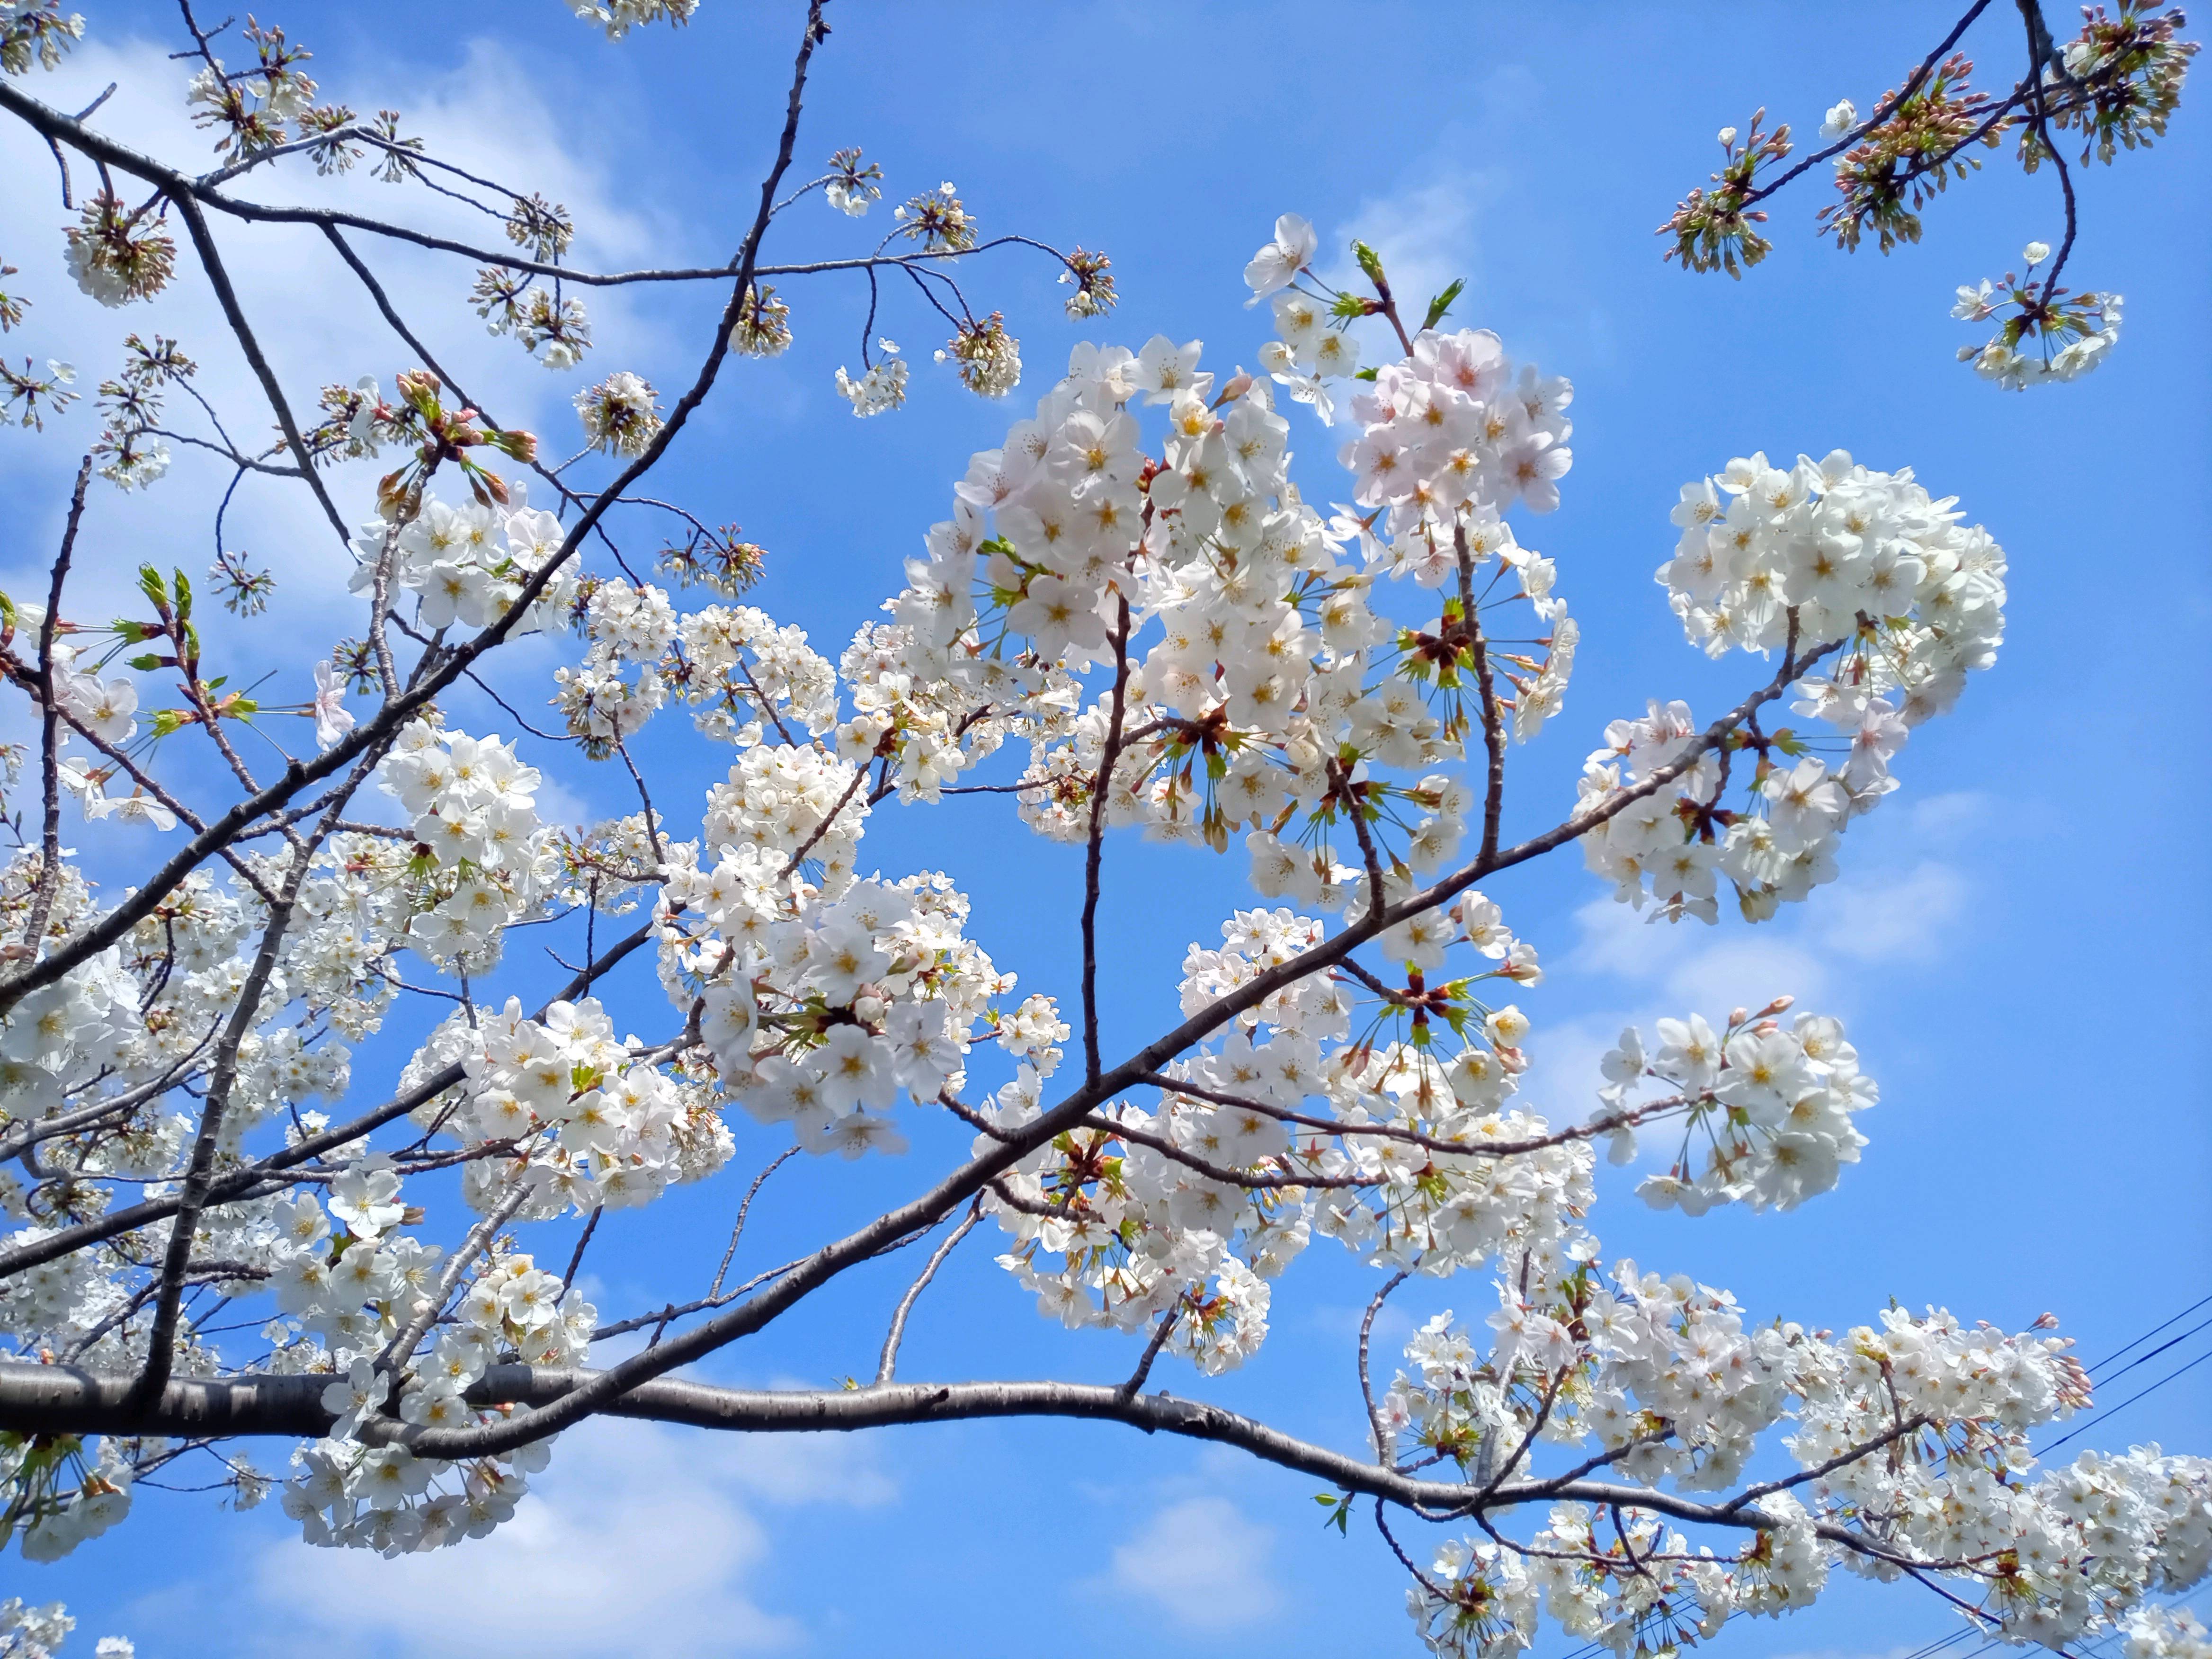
<point x="1425" y="233"/>
<point x="1202" y="1563"/>
<point x="558" y="803"/>
<point x="635" y="1541"/>
<point x="1428" y="227"/>
<point x="1393" y="1328"/>
<point x="1692" y="963"/>
<point x="1893" y="918"/>
<point x="1880" y="914"/>
<point x="1946" y="817"/>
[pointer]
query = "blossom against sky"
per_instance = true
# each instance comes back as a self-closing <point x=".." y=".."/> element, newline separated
<point x="2016" y="935"/>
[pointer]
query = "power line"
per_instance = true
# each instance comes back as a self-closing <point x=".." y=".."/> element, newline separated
<point x="2154" y="1353"/>
<point x="2153" y="1331"/>
<point x="2129" y="1401"/>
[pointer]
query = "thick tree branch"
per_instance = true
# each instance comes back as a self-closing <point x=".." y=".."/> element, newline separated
<point x="68" y="1399"/>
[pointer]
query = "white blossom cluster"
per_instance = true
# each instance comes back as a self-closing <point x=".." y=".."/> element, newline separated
<point x="821" y="1005"/>
<point x="1259" y="683"/>
<point x="480" y="852"/>
<point x="629" y="628"/>
<point x="734" y="663"/>
<point x="1667" y="1378"/>
<point x="1767" y="1121"/>
<point x="583" y="1120"/>
<point x="352" y="1294"/>
<point x="348" y="1494"/>
<point x="1214" y="1181"/>
<point x="741" y="670"/>
<point x="1857" y="556"/>
<point x="108" y="710"/>
<point x="2066" y="336"/>
<point x="2016" y="370"/>
<point x="1863" y="563"/>
<point x="880" y="387"/>
<point x="467" y="564"/>
<point x="555" y="332"/>
<point x="618" y="17"/>
<point x="60" y="1499"/>
<point x="2167" y="1633"/>
<point x="620" y="416"/>
<point x="1139" y="1236"/>
<point x="29" y="1633"/>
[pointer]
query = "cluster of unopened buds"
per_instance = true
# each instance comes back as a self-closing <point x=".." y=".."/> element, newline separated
<point x="553" y="328"/>
<point x="119" y="255"/>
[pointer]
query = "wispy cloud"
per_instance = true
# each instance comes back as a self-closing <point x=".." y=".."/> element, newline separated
<point x="1897" y="915"/>
<point x="1203" y="1564"/>
<point x="1430" y="224"/>
<point x="637" y="1540"/>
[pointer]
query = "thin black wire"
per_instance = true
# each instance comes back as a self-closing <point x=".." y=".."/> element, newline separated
<point x="2154" y="1331"/>
<point x="2124" y="1404"/>
<point x="2144" y="1358"/>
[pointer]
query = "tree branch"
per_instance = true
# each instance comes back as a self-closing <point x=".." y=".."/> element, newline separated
<point x="1094" y="852"/>
<point x="892" y="1337"/>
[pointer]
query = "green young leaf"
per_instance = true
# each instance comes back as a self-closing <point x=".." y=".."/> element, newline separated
<point x="1442" y="303"/>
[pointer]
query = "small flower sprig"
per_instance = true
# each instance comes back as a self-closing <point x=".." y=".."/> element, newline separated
<point x="2065" y="335"/>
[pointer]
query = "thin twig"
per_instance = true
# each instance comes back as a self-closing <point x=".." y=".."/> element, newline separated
<point x="898" y="1332"/>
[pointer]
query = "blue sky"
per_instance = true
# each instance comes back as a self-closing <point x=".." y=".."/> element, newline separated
<point x="2016" y="944"/>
